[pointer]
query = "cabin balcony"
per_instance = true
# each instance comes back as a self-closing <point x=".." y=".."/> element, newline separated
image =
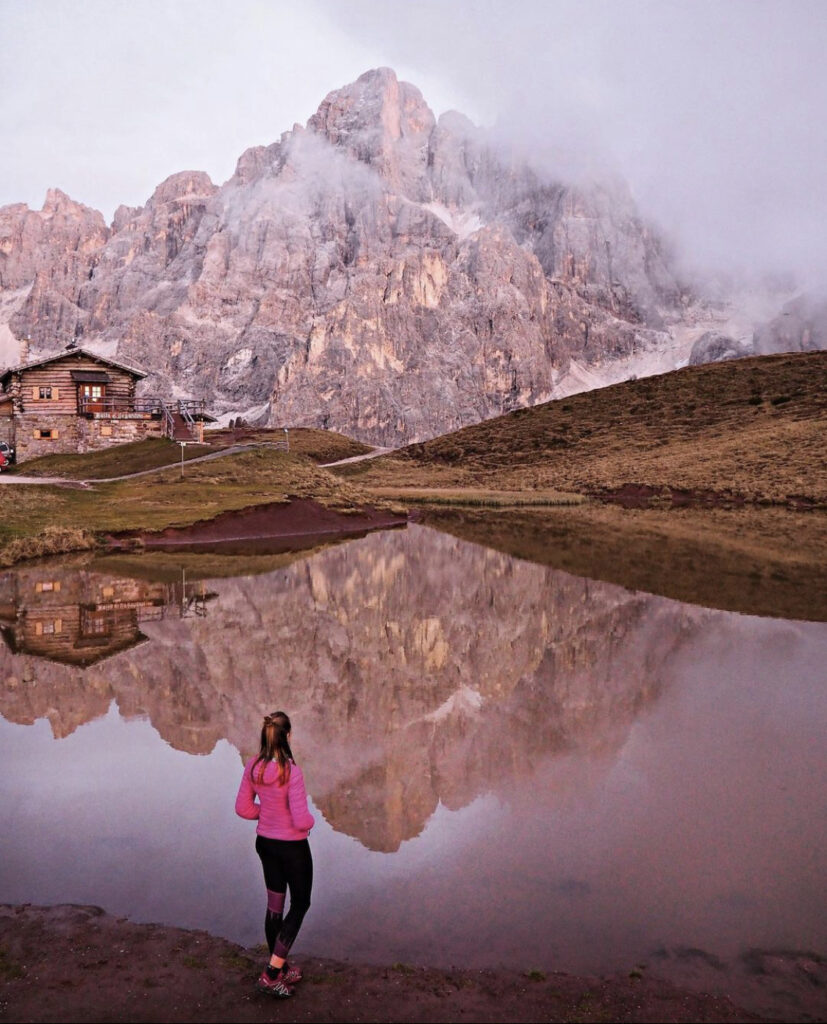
<point x="94" y="408"/>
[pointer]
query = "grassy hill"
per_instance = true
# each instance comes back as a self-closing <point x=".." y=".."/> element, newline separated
<point x="49" y="519"/>
<point x="319" y="446"/>
<point x="713" y="480"/>
<point x="749" y="430"/>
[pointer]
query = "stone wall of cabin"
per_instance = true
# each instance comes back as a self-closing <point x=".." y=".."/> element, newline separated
<point x="6" y="420"/>
<point x="77" y="433"/>
<point x="28" y="443"/>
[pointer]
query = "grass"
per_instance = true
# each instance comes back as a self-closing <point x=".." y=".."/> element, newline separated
<point x="135" y="457"/>
<point x="317" y="445"/>
<point x="164" y="499"/>
<point x="476" y="498"/>
<point x="753" y="427"/>
<point x="52" y="540"/>
<point x="10" y="969"/>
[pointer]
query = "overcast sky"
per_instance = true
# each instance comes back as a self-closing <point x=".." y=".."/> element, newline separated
<point x="716" y="113"/>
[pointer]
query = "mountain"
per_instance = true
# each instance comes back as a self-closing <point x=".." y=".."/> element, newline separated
<point x="378" y="271"/>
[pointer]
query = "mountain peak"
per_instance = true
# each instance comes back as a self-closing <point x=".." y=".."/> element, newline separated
<point x="183" y="185"/>
<point x="382" y="122"/>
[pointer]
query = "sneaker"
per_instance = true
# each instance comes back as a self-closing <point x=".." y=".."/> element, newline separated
<point x="292" y="974"/>
<point x="277" y="986"/>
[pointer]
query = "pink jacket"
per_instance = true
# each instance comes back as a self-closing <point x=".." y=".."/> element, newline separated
<point x="281" y="810"/>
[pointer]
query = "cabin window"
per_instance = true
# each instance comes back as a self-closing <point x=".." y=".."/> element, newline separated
<point x="46" y="586"/>
<point x="44" y="393"/>
<point x="106" y="431"/>
<point x="46" y="434"/>
<point x="95" y="624"/>
<point x="48" y="627"/>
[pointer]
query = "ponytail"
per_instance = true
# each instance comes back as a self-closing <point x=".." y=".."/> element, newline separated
<point x="274" y="747"/>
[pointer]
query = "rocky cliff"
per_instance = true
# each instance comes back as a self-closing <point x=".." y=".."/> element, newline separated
<point x="378" y="271"/>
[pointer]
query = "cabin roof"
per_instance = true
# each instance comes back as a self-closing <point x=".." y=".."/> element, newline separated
<point x="69" y="354"/>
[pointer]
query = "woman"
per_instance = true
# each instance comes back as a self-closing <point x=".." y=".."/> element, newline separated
<point x="281" y="842"/>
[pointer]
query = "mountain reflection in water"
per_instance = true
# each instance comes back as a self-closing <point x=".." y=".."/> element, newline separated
<point x="612" y="771"/>
<point x="421" y="668"/>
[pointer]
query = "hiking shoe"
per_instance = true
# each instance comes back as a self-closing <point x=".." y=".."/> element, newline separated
<point x="292" y="974"/>
<point x="276" y="987"/>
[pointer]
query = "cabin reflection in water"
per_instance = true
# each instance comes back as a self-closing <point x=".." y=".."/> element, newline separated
<point x="79" y="617"/>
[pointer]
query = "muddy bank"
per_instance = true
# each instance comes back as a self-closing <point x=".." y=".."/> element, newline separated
<point x="292" y="525"/>
<point x="70" y="963"/>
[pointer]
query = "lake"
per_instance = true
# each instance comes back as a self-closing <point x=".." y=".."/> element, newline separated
<point x="508" y="764"/>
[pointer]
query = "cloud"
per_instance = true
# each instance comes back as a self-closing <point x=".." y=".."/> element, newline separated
<point x="714" y="112"/>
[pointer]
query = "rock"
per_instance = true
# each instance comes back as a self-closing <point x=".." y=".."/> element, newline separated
<point x="377" y="272"/>
<point x="47" y="255"/>
<point x="714" y="347"/>
<point x="801" y="326"/>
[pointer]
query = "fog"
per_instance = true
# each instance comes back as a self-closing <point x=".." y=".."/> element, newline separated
<point x="713" y="112"/>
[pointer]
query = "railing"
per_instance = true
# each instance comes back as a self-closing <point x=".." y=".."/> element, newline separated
<point x="88" y="406"/>
<point x="186" y="416"/>
<point x="169" y="419"/>
<point x="187" y="411"/>
<point x="191" y="409"/>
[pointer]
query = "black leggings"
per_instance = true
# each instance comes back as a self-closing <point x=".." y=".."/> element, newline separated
<point x="287" y="865"/>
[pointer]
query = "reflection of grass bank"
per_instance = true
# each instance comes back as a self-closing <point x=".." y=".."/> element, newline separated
<point x="755" y="561"/>
<point x="168" y="567"/>
<point x="161" y="500"/>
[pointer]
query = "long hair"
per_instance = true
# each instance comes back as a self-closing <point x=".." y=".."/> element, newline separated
<point x="274" y="747"/>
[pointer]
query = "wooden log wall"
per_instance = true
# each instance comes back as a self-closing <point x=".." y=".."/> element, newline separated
<point x="58" y="377"/>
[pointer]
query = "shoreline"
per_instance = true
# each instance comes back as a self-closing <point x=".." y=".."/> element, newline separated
<point x="78" y="963"/>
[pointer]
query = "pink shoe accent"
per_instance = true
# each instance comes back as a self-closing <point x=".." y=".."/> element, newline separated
<point x="277" y="986"/>
<point x="292" y="974"/>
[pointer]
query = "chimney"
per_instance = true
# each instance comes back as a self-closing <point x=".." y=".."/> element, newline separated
<point x="24" y="349"/>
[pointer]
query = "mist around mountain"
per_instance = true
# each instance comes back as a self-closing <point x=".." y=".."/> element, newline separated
<point x="377" y="271"/>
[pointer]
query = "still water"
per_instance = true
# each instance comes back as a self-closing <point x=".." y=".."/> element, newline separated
<point x="508" y="764"/>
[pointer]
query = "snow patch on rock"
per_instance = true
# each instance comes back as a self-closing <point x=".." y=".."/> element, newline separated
<point x="462" y="222"/>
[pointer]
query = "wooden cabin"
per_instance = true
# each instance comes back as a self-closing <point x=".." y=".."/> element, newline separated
<point x="78" y="401"/>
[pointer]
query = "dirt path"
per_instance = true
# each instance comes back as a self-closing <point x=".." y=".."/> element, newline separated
<point x="359" y="458"/>
<point x="58" y="481"/>
<point x="71" y="963"/>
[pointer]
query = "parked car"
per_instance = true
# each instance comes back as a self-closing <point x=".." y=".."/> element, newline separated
<point x="4" y="462"/>
<point x="7" y="451"/>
